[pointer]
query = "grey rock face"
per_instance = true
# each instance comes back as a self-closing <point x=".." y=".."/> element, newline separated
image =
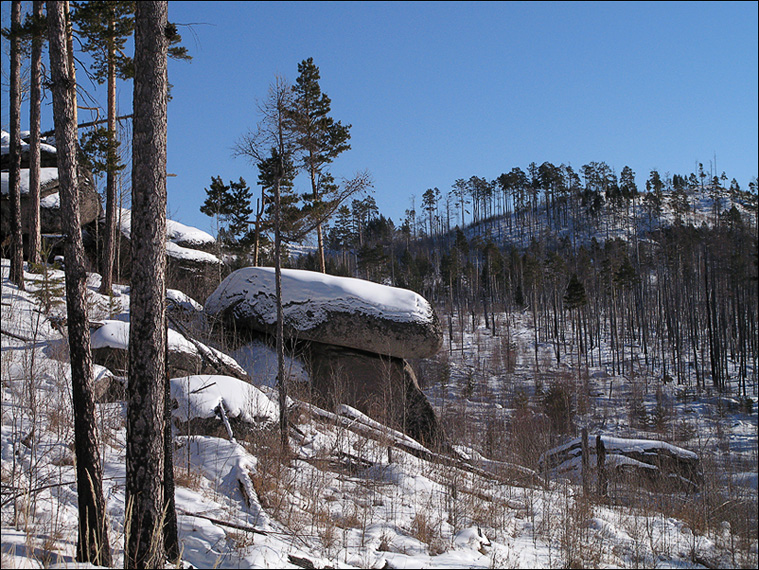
<point x="383" y="387"/>
<point x="338" y="311"/>
<point x="50" y="217"/>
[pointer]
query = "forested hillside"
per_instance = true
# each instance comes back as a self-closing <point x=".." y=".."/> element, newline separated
<point x="666" y="277"/>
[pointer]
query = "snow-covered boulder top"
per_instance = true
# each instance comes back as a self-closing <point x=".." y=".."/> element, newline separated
<point x="187" y="235"/>
<point x="341" y="311"/>
<point x="180" y="240"/>
<point x="198" y="397"/>
<point x="48" y="153"/>
<point x="48" y="179"/>
<point x="115" y="334"/>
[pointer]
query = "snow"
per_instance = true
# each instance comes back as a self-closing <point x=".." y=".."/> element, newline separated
<point x="5" y="141"/>
<point x="625" y="445"/>
<point x="176" y="232"/>
<point x="309" y="296"/>
<point x="115" y="334"/>
<point x="189" y="235"/>
<point x="179" y="300"/>
<point x="51" y="201"/>
<point x="343" y="500"/>
<point x="199" y="396"/>
<point x="188" y="254"/>
<point x="48" y="174"/>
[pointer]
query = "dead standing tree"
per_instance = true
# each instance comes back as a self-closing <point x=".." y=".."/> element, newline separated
<point x="274" y="137"/>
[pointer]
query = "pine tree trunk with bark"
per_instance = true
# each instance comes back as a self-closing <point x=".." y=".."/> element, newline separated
<point x="109" y="248"/>
<point x="14" y="150"/>
<point x="147" y="337"/>
<point x="35" y="239"/>
<point x="93" y="545"/>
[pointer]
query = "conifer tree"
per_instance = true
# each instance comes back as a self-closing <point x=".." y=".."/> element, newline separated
<point x="145" y="456"/>
<point x="14" y="150"/>
<point x="218" y="205"/>
<point x="93" y="545"/>
<point x="104" y="28"/>
<point x="320" y="139"/>
<point x="36" y="27"/>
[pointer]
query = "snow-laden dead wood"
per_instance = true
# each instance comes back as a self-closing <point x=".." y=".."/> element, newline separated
<point x="353" y="420"/>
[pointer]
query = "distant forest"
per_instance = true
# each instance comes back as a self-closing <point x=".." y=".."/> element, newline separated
<point x="666" y="276"/>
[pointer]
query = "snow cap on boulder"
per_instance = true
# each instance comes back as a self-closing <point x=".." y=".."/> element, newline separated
<point x="340" y="311"/>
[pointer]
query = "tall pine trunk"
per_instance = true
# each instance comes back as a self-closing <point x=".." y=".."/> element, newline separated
<point x="147" y="337"/>
<point x="110" y="177"/>
<point x="35" y="239"/>
<point x="93" y="545"/>
<point x="14" y="150"/>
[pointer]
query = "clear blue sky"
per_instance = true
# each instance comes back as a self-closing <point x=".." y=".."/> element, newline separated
<point x="440" y="91"/>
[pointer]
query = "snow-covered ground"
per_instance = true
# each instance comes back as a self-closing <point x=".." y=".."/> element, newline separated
<point x="356" y="495"/>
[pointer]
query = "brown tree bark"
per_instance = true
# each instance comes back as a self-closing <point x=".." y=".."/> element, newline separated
<point x="93" y="545"/>
<point x="14" y="172"/>
<point x="35" y="239"/>
<point x="147" y="339"/>
<point x="109" y="249"/>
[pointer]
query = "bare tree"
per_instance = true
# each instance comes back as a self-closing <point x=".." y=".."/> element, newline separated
<point x="93" y="545"/>
<point x="147" y="336"/>
<point x="275" y="138"/>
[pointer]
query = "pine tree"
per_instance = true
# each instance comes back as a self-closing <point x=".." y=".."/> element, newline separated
<point x="145" y="444"/>
<point x="104" y="28"/>
<point x="240" y="218"/>
<point x="218" y="205"/>
<point x="320" y="139"/>
<point x="93" y="544"/>
<point x="14" y="172"/>
<point x="36" y="27"/>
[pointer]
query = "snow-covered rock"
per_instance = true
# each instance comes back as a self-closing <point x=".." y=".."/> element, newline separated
<point x="647" y="459"/>
<point x="110" y="343"/>
<point x="190" y="267"/>
<point x="339" y="311"/>
<point x="198" y="396"/>
<point x="50" y="221"/>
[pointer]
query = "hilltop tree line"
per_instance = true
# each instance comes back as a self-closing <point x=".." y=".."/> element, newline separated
<point x="669" y="285"/>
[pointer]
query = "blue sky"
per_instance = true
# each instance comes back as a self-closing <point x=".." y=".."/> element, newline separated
<point x="440" y="91"/>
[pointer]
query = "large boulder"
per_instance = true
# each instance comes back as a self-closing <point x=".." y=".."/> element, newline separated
<point x="110" y="348"/>
<point x="383" y="387"/>
<point x="339" y="311"/>
<point x="50" y="216"/>
<point x="48" y="153"/>
<point x="190" y="267"/>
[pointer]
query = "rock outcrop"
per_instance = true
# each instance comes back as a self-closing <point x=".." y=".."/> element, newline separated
<point x="189" y="265"/>
<point x="110" y="344"/>
<point x="339" y="311"/>
<point x="634" y="461"/>
<point x="353" y="336"/>
<point x="50" y="218"/>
